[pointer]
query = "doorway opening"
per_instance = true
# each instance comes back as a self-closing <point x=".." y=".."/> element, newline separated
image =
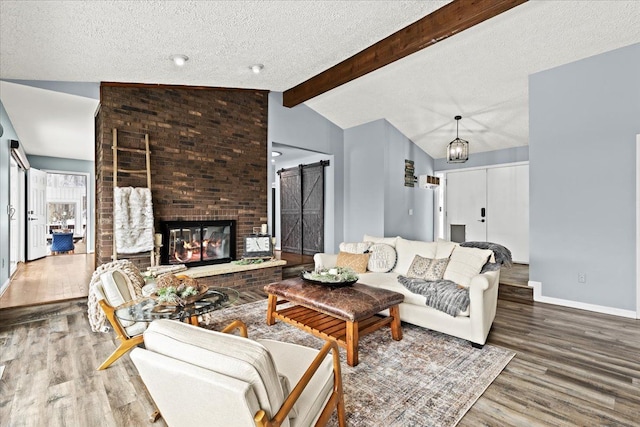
<point x="66" y="197"/>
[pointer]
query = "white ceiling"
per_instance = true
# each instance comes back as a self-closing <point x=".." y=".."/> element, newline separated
<point x="50" y="123"/>
<point x="480" y="73"/>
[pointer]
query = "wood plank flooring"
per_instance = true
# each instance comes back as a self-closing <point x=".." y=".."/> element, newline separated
<point x="49" y="279"/>
<point x="572" y="367"/>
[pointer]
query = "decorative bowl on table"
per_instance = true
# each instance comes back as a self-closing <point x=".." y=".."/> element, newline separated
<point x="174" y="290"/>
<point x="333" y="277"/>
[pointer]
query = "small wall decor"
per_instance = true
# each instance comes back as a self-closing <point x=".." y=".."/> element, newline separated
<point x="409" y="170"/>
<point x="428" y="182"/>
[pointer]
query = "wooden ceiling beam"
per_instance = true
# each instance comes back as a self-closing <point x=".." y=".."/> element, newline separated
<point x="445" y="22"/>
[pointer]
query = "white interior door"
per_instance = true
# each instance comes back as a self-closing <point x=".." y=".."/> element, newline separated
<point x="508" y="201"/>
<point x="36" y="214"/>
<point x="466" y="201"/>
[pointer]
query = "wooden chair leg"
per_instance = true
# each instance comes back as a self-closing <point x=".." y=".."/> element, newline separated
<point x="236" y="324"/>
<point x="122" y="349"/>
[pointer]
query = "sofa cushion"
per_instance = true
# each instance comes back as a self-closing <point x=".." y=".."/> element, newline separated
<point x="382" y="258"/>
<point x="388" y="240"/>
<point x="355" y="248"/>
<point x="408" y="249"/>
<point x="356" y="262"/>
<point x="445" y="248"/>
<point x="465" y="263"/>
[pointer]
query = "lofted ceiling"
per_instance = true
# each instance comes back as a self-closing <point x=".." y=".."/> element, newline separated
<point x="480" y="73"/>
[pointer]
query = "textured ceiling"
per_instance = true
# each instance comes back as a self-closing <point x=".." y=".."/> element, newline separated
<point x="132" y="41"/>
<point x="480" y="73"/>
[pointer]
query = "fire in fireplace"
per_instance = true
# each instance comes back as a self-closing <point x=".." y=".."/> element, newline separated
<point x="198" y="242"/>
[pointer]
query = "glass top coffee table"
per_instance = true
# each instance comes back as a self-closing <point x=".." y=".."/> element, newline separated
<point x="147" y="309"/>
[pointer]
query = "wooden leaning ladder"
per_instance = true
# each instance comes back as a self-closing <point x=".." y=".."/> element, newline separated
<point x="147" y="170"/>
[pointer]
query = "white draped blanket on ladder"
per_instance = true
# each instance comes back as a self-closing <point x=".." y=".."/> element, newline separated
<point x="133" y="219"/>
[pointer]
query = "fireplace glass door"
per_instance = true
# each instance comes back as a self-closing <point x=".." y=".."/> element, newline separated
<point x="198" y="243"/>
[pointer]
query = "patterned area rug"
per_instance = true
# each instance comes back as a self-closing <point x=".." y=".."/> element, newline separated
<point x="426" y="379"/>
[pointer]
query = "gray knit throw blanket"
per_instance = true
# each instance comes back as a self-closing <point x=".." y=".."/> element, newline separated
<point x="501" y="254"/>
<point x="443" y="295"/>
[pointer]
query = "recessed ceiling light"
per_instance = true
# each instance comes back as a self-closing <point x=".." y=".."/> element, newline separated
<point x="179" y="60"/>
<point x="257" y="68"/>
<point x="276" y="154"/>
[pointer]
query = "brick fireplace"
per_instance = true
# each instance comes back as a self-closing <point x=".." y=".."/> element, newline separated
<point x="208" y="155"/>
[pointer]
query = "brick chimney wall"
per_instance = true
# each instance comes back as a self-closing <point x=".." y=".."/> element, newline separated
<point x="208" y="155"/>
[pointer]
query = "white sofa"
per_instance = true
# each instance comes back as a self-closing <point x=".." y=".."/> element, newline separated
<point x="473" y="324"/>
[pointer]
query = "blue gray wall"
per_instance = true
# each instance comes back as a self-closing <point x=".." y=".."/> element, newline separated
<point x="302" y="127"/>
<point x="376" y="201"/>
<point x="584" y="118"/>
<point x="400" y="199"/>
<point x="364" y="180"/>
<point x="71" y="165"/>
<point x="487" y="158"/>
<point x="5" y="155"/>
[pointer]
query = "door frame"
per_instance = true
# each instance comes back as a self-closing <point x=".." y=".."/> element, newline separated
<point x="439" y="209"/>
<point x="638" y="226"/>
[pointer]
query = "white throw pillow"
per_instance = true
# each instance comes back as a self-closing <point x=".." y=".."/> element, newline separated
<point x="408" y="249"/>
<point x="355" y="248"/>
<point x="382" y="259"/>
<point x="388" y="240"/>
<point x="445" y="248"/>
<point x="465" y="263"/>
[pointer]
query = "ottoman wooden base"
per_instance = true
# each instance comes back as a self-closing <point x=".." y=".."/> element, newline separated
<point x="345" y="332"/>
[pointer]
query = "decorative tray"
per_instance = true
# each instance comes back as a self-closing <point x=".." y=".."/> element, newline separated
<point x="174" y="290"/>
<point x="330" y="278"/>
<point x="182" y="301"/>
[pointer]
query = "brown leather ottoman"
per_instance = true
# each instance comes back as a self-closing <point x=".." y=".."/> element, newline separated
<point x="338" y="314"/>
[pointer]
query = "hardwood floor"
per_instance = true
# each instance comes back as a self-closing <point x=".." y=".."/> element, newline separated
<point x="49" y="279"/>
<point x="572" y="367"/>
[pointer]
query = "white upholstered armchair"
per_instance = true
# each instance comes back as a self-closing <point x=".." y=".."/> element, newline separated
<point x="201" y="377"/>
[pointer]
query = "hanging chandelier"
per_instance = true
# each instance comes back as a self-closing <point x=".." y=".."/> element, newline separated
<point x="458" y="149"/>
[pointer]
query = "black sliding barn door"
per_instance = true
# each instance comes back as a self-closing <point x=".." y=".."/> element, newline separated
<point x="302" y="208"/>
<point x="290" y="209"/>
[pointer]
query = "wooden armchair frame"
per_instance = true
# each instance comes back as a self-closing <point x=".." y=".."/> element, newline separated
<point x="336" y="400"/>
<point x="126" y="342"/>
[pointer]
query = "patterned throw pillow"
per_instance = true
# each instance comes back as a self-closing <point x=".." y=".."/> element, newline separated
<point x="436" y="269"/>
<point x="427" y="268"/>
<point x="356" y="262"/>
<point x="418" y="267"/>
<point x="383" y="258"/>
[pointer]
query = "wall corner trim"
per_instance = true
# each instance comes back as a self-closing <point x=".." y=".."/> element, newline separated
<point x="538" y="297"/>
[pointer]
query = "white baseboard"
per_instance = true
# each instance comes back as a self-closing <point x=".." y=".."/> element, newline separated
<point x="538" y="297"/>
<point x="4" y="287"/>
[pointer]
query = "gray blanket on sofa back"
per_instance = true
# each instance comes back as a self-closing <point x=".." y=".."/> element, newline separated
<point x="443" y="295"/>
